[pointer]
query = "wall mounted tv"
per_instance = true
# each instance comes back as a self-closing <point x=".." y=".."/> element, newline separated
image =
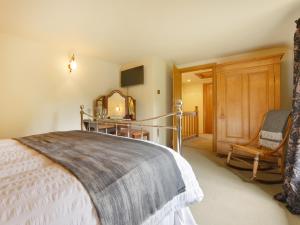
<point x="133" y="76"/>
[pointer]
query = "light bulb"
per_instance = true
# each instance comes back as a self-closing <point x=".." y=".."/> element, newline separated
<point x="72" y="64"/>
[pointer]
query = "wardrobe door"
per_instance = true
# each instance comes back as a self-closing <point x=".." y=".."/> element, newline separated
<point x="232" y="108"/>
<point x="261" y="95"/>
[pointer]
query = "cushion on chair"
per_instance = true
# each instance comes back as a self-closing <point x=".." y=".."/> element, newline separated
<point x="272" y="132"/>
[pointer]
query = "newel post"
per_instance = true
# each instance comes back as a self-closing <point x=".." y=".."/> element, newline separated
<point x="197" y="121"/>
<point x="179" y="125"/>
<point x="81" y="116"/>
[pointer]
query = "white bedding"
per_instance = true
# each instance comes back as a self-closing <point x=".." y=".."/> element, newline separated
<point x="34" y="190"/>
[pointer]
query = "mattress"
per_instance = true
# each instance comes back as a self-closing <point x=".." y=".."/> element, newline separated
<point x="35" y="190"/>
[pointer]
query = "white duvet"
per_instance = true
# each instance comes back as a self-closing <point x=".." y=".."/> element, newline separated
<point x="36" y="191"/>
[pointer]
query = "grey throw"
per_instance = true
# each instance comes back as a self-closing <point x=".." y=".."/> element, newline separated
<point x="276" y="120"/>
<point x="272" y="132"/>
<point x="127" y="180"/>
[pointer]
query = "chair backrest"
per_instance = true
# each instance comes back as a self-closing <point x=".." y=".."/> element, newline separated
<point x="273" y="128"/>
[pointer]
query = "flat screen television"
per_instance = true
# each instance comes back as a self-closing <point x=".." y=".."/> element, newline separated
<point x="133" y="76"/>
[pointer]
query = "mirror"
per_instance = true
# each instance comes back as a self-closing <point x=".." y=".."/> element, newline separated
<point x="115" y="106"/>
<point x="99" y="105"/>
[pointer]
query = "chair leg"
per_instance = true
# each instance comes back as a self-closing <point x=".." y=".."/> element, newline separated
<point x="229" y="156"/>
<point x="280" y="165"/>
<point x="255" y="167"/>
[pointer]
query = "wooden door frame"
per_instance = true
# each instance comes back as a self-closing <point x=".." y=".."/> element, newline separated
<point x="214" y="83"/>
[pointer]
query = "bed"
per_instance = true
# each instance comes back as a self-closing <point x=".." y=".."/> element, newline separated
<point x="36" y="189"/>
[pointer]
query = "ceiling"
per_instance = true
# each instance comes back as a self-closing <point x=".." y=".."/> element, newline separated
<point x="192" y="77"/>
<point x="178" y="30"/>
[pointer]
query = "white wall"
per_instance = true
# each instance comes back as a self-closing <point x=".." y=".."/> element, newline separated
<point x="38" y="94"/>
<point x="149" y="103"/>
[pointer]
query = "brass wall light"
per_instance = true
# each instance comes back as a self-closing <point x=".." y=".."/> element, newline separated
<point x="72" y="64"/>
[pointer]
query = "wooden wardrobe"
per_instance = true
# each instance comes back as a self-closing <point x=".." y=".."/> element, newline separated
<point x="246" y="90"/>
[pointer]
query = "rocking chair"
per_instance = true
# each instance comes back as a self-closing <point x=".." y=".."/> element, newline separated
<point x="268" y="143"/>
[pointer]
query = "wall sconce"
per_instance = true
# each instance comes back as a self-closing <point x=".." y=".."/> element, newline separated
<point x="72" y="64"/>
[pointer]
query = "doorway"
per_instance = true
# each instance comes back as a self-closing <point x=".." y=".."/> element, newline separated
<point x="208" y="108"/>
<point x="195" y="86"/>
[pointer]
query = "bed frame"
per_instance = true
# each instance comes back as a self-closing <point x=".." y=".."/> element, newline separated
<point x="137" y="124"/>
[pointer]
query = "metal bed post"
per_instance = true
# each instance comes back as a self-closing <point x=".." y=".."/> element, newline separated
<point x="179" y="125"/>
<point x="142" y="134"/>
<point x="128" y="130"/>
<point x="81" y="117"/>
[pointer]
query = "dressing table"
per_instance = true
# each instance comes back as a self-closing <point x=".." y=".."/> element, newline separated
<point x="117" y="106"/>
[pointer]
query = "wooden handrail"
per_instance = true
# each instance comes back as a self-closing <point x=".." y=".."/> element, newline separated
<point x="190" y="122"/>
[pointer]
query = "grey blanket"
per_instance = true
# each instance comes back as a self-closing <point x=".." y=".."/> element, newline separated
<point x="276" y="120"/>
<point x="273" y="129"/>
<point x="127" y="180"/>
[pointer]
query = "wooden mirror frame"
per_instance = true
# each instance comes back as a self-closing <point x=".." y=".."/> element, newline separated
<point x="105" y="103"/>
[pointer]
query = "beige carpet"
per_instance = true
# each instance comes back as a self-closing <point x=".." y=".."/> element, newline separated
<point x="229" y="200"/>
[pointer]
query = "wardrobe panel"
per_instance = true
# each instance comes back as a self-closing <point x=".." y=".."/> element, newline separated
<point x="233" y="105"/>
<point x="261" y="97"/>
